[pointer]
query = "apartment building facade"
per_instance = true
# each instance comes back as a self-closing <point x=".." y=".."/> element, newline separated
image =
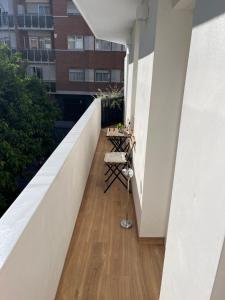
<point x="60" y="48"/>
<point x="174" y="94"/>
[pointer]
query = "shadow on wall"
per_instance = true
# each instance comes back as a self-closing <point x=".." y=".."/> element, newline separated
<point x="204" y="11"/>
<point x="212" y="9"/>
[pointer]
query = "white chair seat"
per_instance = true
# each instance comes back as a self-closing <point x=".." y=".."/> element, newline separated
<point x="115" y="157"/>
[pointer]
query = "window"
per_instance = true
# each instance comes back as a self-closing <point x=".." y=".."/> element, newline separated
<point x="1" y="9"/>
<point x="45" y="43"/>
<point x="20" y="9"/>
<point x="72" y="9"/>
<point x="75" y="42"/>
<point x="102" y="76"/>
<point x="115" y="76"/>
<point x="43" y="9"/>
<point x="32" y="8"/>
<point x="101" y="45"/>
<point x="89" y="42"/>
<point x="124" y="48"/>
<point x="122" y="76"/>
<point x="89" y="75"/>
<point x="76" y="75"/>
<point x="40" y="42"/>
<point x="116" y="47"/>
<point x="38" y="9"/>
<point x="5" y="41"/>
<point x="3" y="17"/>
<point x="36" y="71"/>
<point x="33" y="43"/>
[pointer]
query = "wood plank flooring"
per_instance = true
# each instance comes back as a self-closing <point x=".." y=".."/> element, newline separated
<point x="104" y="261"/>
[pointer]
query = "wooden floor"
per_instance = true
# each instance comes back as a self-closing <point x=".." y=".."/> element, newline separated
<point x="104" y="261"/>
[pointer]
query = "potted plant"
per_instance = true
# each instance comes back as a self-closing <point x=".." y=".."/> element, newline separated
<point x="112" y="105"/>
<point x="120" y="127"/>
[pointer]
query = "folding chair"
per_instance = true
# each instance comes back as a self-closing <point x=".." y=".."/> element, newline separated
<point x="115" y="163"/>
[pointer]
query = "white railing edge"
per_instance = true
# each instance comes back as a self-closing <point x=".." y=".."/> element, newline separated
<point x="9" y="238"/>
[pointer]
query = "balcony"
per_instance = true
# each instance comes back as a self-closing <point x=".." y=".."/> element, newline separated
<point x="38" y="55"/>
<point x="103" y="260"/>
<point x="50" y="86"/>
<point x="35" y="22"/>
<point x="6" y="21"/>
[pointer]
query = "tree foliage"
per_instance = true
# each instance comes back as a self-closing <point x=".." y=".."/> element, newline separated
<point x="27" y="117"/>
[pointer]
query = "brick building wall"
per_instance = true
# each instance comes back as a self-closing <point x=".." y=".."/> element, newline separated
<point x="48" y="51"/>
<point x="66" y="25"/>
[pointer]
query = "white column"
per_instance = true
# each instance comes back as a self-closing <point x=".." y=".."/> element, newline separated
<point x="197" y="216"/>
<point x="136" y="45"/>
<point x="147" y="32"/>
<point x="127" y="82"/>
<point x="164" y="86"/>
<point x="133" y="63"/>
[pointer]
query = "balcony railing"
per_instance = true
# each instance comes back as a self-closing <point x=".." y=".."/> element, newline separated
<point x="35" y="231"/>
<point x="50" y="86"/>
<point x="6" y="20"/>
<point x="35" y="22"/>
<point x="38" y="55"/>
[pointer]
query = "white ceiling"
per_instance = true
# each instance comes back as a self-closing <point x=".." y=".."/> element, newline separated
<point x="109" y="19"/>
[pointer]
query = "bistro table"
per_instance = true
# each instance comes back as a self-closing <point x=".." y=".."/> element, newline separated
<point x="118" y="139"/>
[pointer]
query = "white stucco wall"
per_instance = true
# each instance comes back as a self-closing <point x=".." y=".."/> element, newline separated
<point x="163" y="55"/>
<point x="173" y="32"/>
<point x="142" y="103"/>
<point x="36" y="230"/>
<point x="197" y="217"/>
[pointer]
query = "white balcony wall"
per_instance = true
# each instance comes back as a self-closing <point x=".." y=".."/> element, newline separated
<point x="197" y="217"/>
<point x="161" y="49"/>
<point x="36" y="230"/>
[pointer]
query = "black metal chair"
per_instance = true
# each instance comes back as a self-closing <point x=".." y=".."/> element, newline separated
<point x="115" y="162"/>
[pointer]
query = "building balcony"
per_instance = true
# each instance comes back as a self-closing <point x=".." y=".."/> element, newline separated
<point x="104" y="261"/>
<point x="38" y="55"/>
<point x="50" y="86"/>
<point x="6" y="21"/>
<point x="35" y="22"/>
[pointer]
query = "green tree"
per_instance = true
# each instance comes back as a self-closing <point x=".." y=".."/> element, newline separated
<point x="27" y="117"/>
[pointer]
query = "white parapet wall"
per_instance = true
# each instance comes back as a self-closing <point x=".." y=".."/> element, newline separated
<point x="196" y="230"/>
<point x="36" y="230"/>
